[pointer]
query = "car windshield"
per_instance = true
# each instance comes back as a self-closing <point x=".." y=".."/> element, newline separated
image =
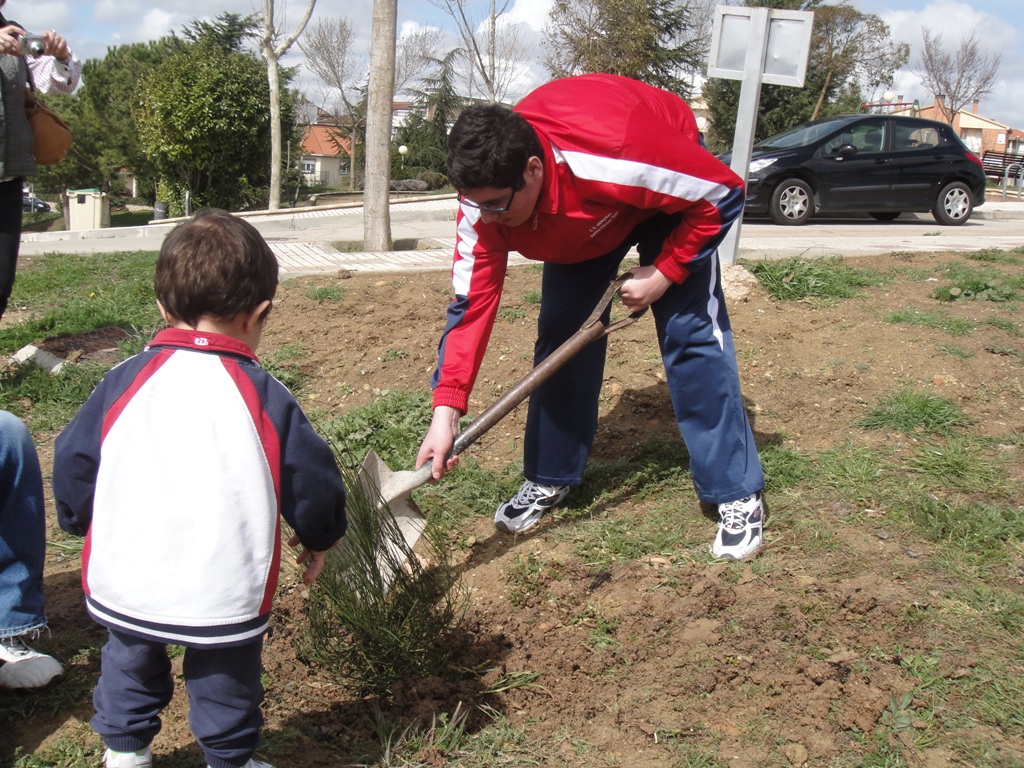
<point x="802" y="135"/>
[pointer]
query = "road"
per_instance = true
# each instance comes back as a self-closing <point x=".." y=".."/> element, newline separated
<point x="321" y="240"/>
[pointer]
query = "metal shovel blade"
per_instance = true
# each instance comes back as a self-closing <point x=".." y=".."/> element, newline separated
<point x="394" y="489"/>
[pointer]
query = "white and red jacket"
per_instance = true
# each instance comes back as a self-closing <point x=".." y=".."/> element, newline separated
<point x="178" y="469"/>
<point x="616" y="152"/>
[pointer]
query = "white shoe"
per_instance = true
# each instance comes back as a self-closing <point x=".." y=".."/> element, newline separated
<point x="740" y="528"/>
<point x="524" y="510"/>
<point x="22" y="668"/>
<point x="143" y="759"/>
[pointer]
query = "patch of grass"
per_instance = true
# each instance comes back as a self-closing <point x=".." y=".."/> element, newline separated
<point x="1006" y="325"/>
<point x="511" y="314"/>
<point x="995" y="256"/>
<point x="282" y="363"/>
<point x="909" y="412"/>
<point x="960" y="464"/>
<point x="533" y="297"/>
<point x="48" y="402"/>
<point x="953" y="326"/>
<point x="66" y="293"/>
<point x="953" y="351"/>
<point x="392" y="425"/>
<point x="797" y="278"/>
<point x="979" y="531"/>
<point x="325" y="292"/>
<point x="526" y="580"/>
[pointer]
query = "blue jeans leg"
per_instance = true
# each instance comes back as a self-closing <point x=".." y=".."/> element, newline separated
<point x="562" y="417"/>
<point x="22" y="530"/>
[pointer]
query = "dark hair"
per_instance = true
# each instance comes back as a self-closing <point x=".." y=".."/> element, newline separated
<point x="215" y="264"/>
<point x="489" y="146"/>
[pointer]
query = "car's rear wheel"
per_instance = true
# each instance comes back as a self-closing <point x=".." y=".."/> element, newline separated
<point x="792" y="202"/>
<point x="954" y="204"/>
<point x="885" y="215"/>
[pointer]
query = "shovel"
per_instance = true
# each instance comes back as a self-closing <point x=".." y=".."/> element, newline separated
<point x="395" y="488"/>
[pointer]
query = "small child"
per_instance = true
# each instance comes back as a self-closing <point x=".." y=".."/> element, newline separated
<point x="176" y="470"/>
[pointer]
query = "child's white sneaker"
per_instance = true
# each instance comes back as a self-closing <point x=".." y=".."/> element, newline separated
<point x="143" y="759"/>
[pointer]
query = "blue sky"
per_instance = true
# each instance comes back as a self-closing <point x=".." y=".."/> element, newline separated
<point x="92" y="25"/>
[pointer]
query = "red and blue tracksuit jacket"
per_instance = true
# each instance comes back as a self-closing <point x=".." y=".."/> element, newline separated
<point x="616" y="152"/>
<point x="178" y="470"/>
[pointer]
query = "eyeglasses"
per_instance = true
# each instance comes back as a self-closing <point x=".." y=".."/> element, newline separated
<point x="488" y="208"/>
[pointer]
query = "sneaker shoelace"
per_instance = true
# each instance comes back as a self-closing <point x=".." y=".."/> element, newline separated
<point x="16" y="647"/>
<point x="732" y="515"/>
<point x="528" y="494"/>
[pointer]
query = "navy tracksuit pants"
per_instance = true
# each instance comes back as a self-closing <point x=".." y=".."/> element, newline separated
<point x="224" y="691"/>
<point x="700" y="364"/>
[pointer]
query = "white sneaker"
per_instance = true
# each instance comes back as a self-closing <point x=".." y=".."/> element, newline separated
<point x="143" y="759"/>
<point x="524" y="510"/>
<point x="740" y="528"/>
<point x="22" y="668"/>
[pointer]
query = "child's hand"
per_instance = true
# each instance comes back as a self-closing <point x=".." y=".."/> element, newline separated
<point x="314" y="561"/>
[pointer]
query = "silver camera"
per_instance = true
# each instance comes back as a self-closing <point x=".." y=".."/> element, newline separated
<point x="32" y="45"/>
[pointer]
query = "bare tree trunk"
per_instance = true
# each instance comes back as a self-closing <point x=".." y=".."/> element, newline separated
<point x="272" y="55"/>
<point x="274" y="81"/>
<point x="821" y="96"/>
<point x="380" y="98"/>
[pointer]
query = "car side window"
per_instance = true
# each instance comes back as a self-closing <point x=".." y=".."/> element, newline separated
<point x="914" y="137"/>
<point x="867" y="137"/>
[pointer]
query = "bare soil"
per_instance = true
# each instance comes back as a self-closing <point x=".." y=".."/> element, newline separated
<point x="786" y="660"/>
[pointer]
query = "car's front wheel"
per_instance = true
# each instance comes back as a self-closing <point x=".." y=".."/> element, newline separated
<point x="792" y="202"/>
<point x="954" y="204"/>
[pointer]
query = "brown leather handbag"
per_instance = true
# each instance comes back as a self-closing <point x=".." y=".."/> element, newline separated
<point x="51" y="137"/>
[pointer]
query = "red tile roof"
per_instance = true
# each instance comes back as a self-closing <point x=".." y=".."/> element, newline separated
<point x="323" y="140"/>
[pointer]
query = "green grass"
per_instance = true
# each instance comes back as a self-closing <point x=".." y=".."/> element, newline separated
<point x="936" y="321"/>
<point x="909" y="412"/>
<point x="826" y="278"/>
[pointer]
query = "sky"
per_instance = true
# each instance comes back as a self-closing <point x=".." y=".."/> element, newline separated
<point x="91" y="26"/>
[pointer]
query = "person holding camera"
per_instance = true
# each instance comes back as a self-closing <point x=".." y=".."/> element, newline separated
<point x="46" y="62"/>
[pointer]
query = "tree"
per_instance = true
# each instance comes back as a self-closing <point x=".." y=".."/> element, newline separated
<point x="379" y="109"/>
<point x="329" y="54"/>
<point x="417" y="51"/>
<point x="272" y="51"/>
<point x="106" y="139"/>
<point x="427" y="139"/>
<point x="960" y="78"/>
<point x="855" y="46"/>
<point x="204" y="120"/>
<point x="642" y="39"/>
<point x="494" y="49"/>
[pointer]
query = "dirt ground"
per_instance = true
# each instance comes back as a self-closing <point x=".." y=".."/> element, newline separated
<point x="778" y="658"/>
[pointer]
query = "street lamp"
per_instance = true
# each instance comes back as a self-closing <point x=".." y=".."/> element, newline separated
<point x="403" y="151"/>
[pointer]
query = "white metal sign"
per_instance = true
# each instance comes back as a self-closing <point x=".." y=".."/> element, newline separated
<point x="756" y="45"/>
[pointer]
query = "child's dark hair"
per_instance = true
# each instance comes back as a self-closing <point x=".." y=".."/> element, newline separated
<point x="489" y="146"/>
<point x="214" y="264"/>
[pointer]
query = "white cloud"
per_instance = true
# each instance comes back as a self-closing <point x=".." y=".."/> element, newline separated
<point x="155" y="24"/>
<point x="953" y="20"/>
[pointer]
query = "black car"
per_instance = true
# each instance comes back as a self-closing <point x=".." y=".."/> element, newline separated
<point x="881" y="165"/>
<point x="33" y="204"/>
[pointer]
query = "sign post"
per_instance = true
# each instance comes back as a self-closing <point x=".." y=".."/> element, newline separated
<point x="755" y="45"/>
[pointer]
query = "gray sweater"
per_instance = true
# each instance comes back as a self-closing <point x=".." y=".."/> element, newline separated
<point x="15" y="139"/>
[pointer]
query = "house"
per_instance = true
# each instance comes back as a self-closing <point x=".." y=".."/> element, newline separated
<point x="326" y="152"/>
<point x="981" y="134"/>
<point x="326" y="148"/>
